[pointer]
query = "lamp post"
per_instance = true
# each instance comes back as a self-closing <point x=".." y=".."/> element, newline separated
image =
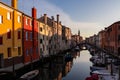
<point x="111" y="68"/>
<point x="13" y="66"/>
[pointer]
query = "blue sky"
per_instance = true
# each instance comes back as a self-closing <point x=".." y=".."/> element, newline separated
<point x="89" y="16"/>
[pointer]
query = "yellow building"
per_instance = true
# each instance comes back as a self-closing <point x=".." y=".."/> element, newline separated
<point x="10" y="34"/>
<point x="43" y="35"/>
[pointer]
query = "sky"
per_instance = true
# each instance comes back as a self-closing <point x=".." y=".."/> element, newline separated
<point x="88" y="16"/>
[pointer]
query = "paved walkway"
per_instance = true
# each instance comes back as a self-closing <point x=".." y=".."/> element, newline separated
<point x="10" y="69"/>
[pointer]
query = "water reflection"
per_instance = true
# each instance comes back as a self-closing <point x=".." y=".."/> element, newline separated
<point x="77" y="69"/>
<point x="80" y="69"/>
<point x="55" y="72"/>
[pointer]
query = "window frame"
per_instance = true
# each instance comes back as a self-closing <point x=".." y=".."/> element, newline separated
<point x="19" y="18"/>
<point x="9" y="15"/>
<point x="9" y="52"/>
<point x="26" y="35"/>
<point x="8" y="34"/>
<point x="19" y="34"/>
<point x="1" y="40"/>
<point x="1" y="19"/>
<point x="31" y="36"/>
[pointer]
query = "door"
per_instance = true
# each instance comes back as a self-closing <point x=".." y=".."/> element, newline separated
<point x="1" y="60"/>
<point x="119" y="51"/>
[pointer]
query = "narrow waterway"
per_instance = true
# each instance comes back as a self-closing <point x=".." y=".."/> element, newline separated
<point x="76" y="67"/>
<point x="80" y="68"/>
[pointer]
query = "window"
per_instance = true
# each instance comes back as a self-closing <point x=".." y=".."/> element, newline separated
<point x="26" y="35"/>
<point x="26" y="21"/>
<point x="37" y="24"/>
<point x="9" y="34"/>
<point x="9" y="52"/>
<point x="19" y="50"/>
<point x="19" y="35"/>
<point x="30" y="23"/>
<point x="43" y="47"/>
<point x="19" y="19"/>
<point x="119" y="27"/>
<point x="1" y="19"/>
<point x="40" y="29"/>
<point x="27" y="53"/>
<point x="118" y="37"/>
<point x="37" y="50"/>
<point x="31" y="50"/>
<point x="41" y="50"/>
<point x="55" y="46"/>
<point x="1" y="40"/>
<point x="8" y="15"/>
<point x="31" y="36"/>
<point x="43" y="37"/>
<point x="40" y="40"/>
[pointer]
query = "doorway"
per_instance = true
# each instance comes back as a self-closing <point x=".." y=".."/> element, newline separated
<point x="1" y="60"/>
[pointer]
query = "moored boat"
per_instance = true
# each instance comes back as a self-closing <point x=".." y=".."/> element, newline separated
<point x="93" y="68"/>
<point x="30" y="75"/>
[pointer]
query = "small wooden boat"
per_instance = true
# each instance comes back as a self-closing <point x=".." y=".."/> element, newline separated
<point x="77" y="48"/>
<point x="93" y="77"/>
<point x="93" y="68"/>
<point x="101" y="72"/>
<point x="89" y="78"/>
<point x="30" y="75"/>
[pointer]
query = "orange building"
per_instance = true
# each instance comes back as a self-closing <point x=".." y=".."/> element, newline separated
<point x="10" y="34"/>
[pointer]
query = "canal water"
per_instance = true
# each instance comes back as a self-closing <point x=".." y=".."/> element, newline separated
<point x="81" y="67"/>
<point x="76" y="69"/>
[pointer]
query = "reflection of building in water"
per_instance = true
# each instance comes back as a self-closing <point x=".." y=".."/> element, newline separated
<point x="54" y="70"/>
<point x="78" y="54"/>
<point x="59" y="76"/>
<point x="74" y="54"/>
<point x="51" y="71"/>
<point x="67" y="68"/>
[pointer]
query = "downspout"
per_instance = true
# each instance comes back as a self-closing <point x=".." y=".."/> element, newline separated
<point x="23" y="54"/>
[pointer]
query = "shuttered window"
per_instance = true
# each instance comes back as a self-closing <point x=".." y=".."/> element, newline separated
<point x="1" y="40"/>
<point x="9" y="34"/>
<point x="1" y="19"/>
<point x="9" y="52"/>
<point x="19" y="35"/>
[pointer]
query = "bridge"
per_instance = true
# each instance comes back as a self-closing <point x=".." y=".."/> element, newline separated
<point x="98" y="49"/>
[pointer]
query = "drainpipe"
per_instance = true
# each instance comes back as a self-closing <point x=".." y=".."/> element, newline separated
<point x="23" y="38"/>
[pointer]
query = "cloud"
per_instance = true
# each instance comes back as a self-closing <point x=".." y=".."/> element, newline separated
<point x="86" y="28"/>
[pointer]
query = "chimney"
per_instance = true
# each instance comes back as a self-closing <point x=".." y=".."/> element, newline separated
<point x="34" y="12"/>
<point x="45" y="18"/>
<point x="57" y="18"/>
<point x="52" y="17"/>
<point x="14" y="3"/>
<point x="60" y="22"/>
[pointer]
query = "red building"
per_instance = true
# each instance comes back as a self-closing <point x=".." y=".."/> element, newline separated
<point x="30" y="40"/>
<point x="36" y="54"/>
<point x="113" y="37"/>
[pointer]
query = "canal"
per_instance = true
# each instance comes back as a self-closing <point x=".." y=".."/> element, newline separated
<point x="81" y="67"/>
<point x="76" y="69"/>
